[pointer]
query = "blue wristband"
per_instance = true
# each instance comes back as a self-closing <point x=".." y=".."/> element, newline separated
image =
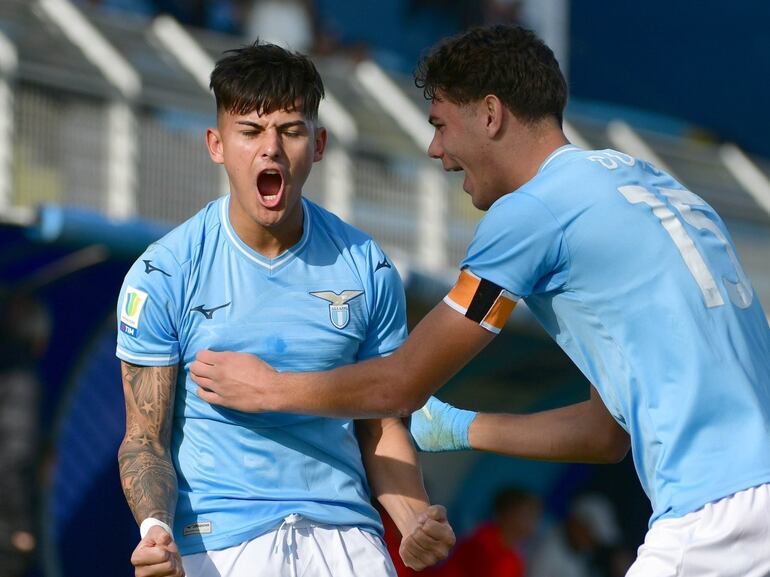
<point x="439" y="427"/>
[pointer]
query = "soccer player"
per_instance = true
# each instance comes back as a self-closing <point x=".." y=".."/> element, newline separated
<point x="228" y="494"/>
<point x="633" y="275"/>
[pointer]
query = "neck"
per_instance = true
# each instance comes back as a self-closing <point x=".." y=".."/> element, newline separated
<point x="526" y="150"/>
<point x="269" y="241"/>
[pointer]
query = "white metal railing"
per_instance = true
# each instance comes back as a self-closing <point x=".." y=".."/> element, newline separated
<point x="628" y="140"/>
<point x="8" y="65"/>
<point x="747" y="173"/>
<point x="116" y="154"/>
<point x="121" y="124"/>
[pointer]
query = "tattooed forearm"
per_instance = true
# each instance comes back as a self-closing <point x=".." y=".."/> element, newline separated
<point x="146" y="471"/>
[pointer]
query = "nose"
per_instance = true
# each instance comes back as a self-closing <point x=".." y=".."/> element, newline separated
<point x="271" y="144"/>
<point x="434" y="148"/>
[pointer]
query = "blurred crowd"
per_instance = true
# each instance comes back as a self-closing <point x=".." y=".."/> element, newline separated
<point x="523" y="539"/>
<point x="25" y="327"/>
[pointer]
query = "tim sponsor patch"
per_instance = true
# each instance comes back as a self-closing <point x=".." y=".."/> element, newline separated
<point x="131" y="311"/>
<point x="199" y="528"/>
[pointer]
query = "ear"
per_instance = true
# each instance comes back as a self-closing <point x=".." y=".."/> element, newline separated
<point x="214" y="145"/>
<point x="494" y="110"/>
<point x="321" y="137"/>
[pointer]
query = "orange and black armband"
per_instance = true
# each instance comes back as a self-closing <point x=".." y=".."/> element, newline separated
<point x="481" y="300"/>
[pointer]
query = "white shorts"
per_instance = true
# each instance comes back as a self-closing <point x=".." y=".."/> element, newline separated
<point x="726" y="538"/>
<point x="298" y="547"/>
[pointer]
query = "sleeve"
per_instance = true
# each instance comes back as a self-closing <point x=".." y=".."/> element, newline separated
<point x="148" y="308"/>
<point x="387" y="307"/>
<point x="517" y="250"/>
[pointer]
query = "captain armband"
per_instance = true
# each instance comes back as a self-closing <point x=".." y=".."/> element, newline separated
<point x="481" y="300"/>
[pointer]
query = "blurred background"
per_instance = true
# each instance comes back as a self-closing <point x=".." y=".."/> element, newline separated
<point x="103" y="106"/>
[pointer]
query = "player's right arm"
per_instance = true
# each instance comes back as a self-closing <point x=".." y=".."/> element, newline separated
<point x="393" y="471"/>
<point x="518" y="250"/>
<point x="147" y="472"/>
<point x="441" y="344"/>
<point x="583" y="432"/>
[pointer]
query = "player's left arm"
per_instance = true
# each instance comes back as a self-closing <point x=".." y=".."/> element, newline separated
<point x="582" y="432"/>
<point x="395" y="480"/>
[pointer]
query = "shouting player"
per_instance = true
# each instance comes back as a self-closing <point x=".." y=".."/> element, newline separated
<point x="262" y="270"/>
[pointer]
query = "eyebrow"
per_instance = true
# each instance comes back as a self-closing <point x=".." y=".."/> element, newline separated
<point x="280" y="126"/>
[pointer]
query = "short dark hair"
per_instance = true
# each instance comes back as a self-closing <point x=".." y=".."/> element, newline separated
<point x="265" y="78"/>
<point x="508" y="61"/>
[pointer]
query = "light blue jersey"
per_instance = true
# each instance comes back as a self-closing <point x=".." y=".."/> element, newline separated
<point x="332" y="299"/>
<point x="637" y="279"/>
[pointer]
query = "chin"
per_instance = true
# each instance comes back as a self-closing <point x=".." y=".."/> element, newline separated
<point x="479" y="203"/>
<point x="271" y="221"/>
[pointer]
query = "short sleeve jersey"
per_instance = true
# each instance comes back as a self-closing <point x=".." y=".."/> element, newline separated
<point x="638" y="280"/>
<point x="332" y="299"/>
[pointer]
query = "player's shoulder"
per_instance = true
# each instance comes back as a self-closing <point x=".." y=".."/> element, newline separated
<point x="580" y="179"/>
<point x="577" y="167"/>
<point x="585" y="168"/>
<point x="357" y="247"/>
<point x="182" y="243"/>
<point x="328" y="220"/>
<point x="327" y="225"/>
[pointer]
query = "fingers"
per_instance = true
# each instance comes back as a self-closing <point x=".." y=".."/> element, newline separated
<point x="202" y="370"/>
<point x="209" y="396"/>
<point x="437" y="534"/>
<point x="168" y="569"/>
<point x="419" y="550"/>
<point x="436" y="512"/>
<point x="161" y="537"/>
<point x="203" y="375"/>
<point x="430" y="540"/>
<point x="205" y="382"/>
<point x="153" y="559"/>
<point x="207" y="357"/>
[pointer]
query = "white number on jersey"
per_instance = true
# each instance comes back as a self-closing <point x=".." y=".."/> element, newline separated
<point x="740" y="292"/>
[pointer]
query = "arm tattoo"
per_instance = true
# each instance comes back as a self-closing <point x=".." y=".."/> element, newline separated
<point x="146" y="471"/>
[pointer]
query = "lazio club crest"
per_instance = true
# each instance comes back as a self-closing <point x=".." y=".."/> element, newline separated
<point x="339" y="310"/>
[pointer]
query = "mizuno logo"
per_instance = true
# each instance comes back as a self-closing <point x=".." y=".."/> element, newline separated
<point x="149" y="267"/>
<point x="209" y="313"/>
<point x="382" y="264"/>
<point x="339" y="310"/>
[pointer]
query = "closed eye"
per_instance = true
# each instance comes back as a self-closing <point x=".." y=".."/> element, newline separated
<point x="293" y="129"/>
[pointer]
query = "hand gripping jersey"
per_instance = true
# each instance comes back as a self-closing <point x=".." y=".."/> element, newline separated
<point x="332" y="299"/>
<point x="637" y="279"/>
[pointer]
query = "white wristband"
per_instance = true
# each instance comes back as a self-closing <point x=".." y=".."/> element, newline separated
<point x="149" y="522"/>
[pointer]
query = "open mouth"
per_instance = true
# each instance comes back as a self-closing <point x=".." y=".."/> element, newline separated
<point x="270" y="186"/>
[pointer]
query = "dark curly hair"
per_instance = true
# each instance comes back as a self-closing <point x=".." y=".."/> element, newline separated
<point x="508" y="61"/>
<point x="265" y="78"/>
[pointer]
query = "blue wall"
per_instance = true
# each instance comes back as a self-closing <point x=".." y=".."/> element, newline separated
<point x="706" y="62"/>
<point x="395" y="32"/>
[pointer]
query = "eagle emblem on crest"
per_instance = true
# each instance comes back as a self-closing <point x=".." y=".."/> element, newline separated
<point x="339" y="310"/>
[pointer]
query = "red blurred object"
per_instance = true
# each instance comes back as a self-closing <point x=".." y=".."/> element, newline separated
<point x="393" y="541"/>
<point x="482" y="554"/>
